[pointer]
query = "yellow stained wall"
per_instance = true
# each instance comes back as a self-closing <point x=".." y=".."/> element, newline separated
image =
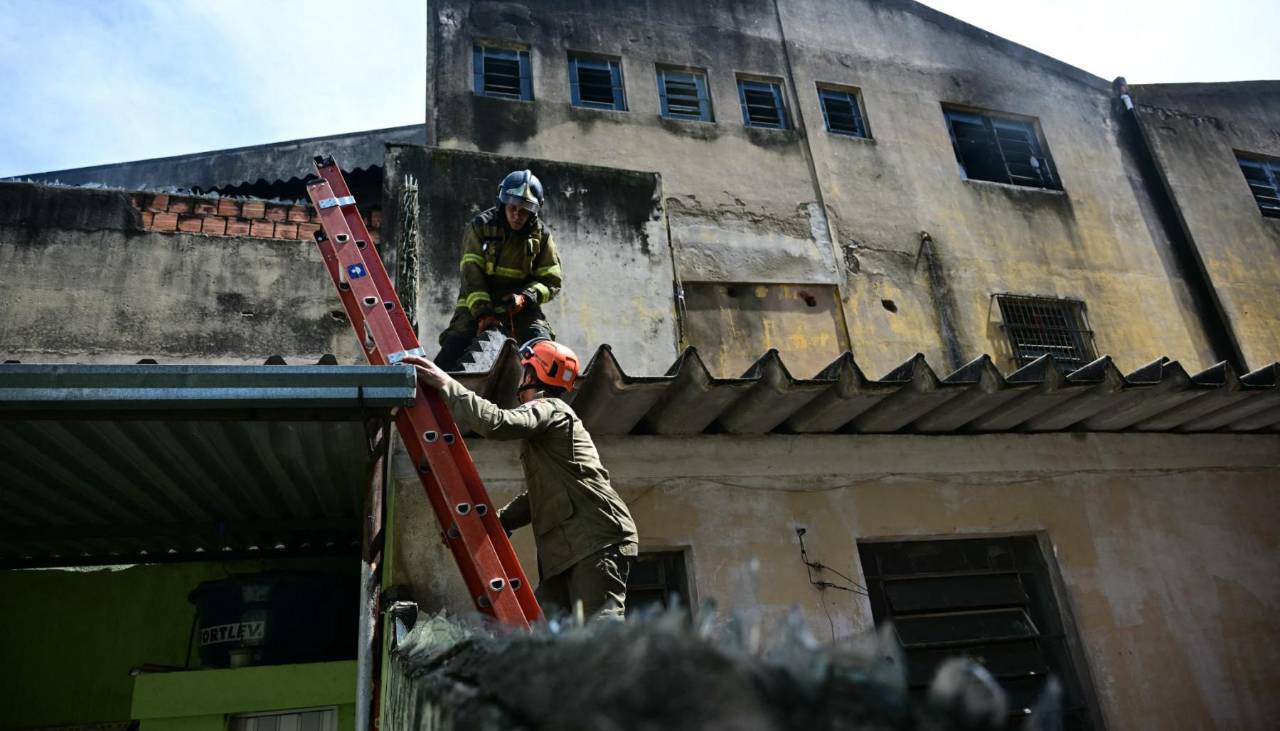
<point x="1165" y="543"/>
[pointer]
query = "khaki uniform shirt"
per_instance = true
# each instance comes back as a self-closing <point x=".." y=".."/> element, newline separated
<point x="573" y="508"/>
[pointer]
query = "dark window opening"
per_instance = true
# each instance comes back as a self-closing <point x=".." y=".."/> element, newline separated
<point x="1000" y="150"/>
<point x="1264" y="182"/>
<point x="501" y="72"/>
<point x="683" y="95"/>
<point x="762" y="104"/>
<point x="658" y="577"/>
<point x="989" y="599"/>
<point x="1039" y="326"/>
<point x="596" y="82"/>
<point x="842" y="112"/>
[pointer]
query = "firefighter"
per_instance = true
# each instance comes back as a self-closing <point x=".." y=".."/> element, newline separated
<point x="584" y="533"/>
<point x="509" y="269"/>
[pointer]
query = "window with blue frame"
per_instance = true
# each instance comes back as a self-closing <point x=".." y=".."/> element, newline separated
<point x="1000" y="150"/>
<point x="1263" y="176"/>
<point x="596" y="82"/>
<point x="683" y="94"/>
<point x="842" y="111"/>
<point x="762" y="104"/>
<point x="501" y="72"/>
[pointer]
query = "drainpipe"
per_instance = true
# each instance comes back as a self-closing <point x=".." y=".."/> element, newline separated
<point x="803" y="130"/>
<point x="1209" y="310"/>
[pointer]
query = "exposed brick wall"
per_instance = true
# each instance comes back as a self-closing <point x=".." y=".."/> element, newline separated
<point x="231" y="217"/>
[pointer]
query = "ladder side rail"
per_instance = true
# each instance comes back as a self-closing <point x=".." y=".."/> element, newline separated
<point x="332" y="175"/>
<point x="475" y="535"/>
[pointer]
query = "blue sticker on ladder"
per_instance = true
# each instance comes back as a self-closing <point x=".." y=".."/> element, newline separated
<point x="355" y="271"/>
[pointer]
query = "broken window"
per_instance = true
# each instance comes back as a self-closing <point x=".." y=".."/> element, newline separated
<point x="658" y="577"/>
<point x="596" y="82"/>
<point x="683" y="94"/>
<point x="1039" y="326"/>
<point x="990" y="599"/>
<point x="1264" y="181"/>
<point x="1000" y="149"/>
<point x="502" y="72"/>
<point x="842" y="111"/>
<point x="762" y="104"/>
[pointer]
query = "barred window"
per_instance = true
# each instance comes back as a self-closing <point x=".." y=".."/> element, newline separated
<point x="596" y="82"/>
<point x="683" y="94"/>
<point x="1039" y="326"/>
<point x="501" y="72"/>
<point x="990" y="599"/>
<point x="842" y="111"/>
<point x="762" y="104"/>
<point x="1263" y="176"/>
<point x="1000" y="149"/>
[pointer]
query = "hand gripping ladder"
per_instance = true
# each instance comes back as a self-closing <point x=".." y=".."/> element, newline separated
<point x="471" y="528"/>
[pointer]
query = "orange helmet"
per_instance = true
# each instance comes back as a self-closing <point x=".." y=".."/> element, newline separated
<point x="550" y="363"/>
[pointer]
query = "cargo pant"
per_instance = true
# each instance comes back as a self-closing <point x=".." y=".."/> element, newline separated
<point x="524" y="326"/>
<point x="599" y="581"/>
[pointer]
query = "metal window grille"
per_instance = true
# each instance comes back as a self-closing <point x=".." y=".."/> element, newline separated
<point x="317" y="719"/>
<point x="842" y="113"/>
<point x="1039" y="326"/>
<point x="1263" y="176"/>
<point x="501" y="72"/>
<point x="596" y="82"/>
<point x="1000" y="150"/>
<point x="683" y="95"/>
<point x="656" y="577"/>
<point x="762" y="104"/>
<point x="989" y="599"/>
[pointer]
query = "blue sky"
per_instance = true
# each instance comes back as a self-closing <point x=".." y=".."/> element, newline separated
<point x="88" y="82"/>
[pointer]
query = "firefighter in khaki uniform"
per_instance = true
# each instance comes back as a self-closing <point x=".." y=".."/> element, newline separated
<point x="585" y="536"/>
<point x="509" y="269"/>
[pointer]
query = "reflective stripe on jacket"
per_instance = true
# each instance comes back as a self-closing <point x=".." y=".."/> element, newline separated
<point x="497" y="261"/>
<point x="568" y="499"/>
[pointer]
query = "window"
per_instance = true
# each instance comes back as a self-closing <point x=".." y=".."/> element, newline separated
<point x="683" y="94"/>
<point x="596" y="82"/>
<point x="655" y="577"/>
<point x="320" y="719"/>
<point x="991" y="599"/>
<point x="1039" y="326"/>
<point x="1264" y="180"/>
<point x="501" y="72"/>
<point x="1001" y="150"/>
<point x="762" y="104"/>
<point x="842" y="112"/>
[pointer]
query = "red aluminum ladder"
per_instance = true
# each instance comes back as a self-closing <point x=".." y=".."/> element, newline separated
<point x="471" y="528"/>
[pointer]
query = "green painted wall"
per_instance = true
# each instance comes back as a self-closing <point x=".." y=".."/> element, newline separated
<point x="200" y="701"/>
<point x="71" y="636"/>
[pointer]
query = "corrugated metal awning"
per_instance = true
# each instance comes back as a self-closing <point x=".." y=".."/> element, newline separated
<point x="1040" y="397"/>
<point x="125" y="464"/>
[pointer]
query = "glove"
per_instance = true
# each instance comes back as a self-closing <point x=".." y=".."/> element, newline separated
<point x="484" y="322"/>
<point x="516" y="302"/>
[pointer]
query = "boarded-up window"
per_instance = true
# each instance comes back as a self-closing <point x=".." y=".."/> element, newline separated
<point x="990" y="599"/>
<point x="733" y="324"/>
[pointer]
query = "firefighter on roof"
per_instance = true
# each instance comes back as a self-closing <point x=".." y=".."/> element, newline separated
<point x="509" y="269"/>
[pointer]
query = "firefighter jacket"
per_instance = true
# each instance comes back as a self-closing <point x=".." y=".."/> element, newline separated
<point x="568" y="499"/>
<point x="497" y="261"/>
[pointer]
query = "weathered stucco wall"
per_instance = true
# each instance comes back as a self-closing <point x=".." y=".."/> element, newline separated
<point x="1195" y="131"/>
<point x="608" y="227"/>
<point x="1165" y="543"/>
<point x="747" y="205"/>
<point x="81" y="281"/>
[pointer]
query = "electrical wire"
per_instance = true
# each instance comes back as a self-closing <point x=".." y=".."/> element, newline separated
<point x="822" y="584"/>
